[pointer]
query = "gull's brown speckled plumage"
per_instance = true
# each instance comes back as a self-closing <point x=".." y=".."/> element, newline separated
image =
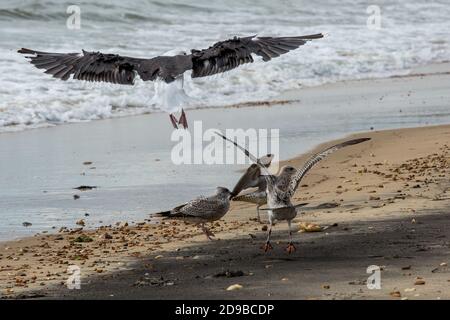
<point x="202" y="209"/>
<point x="279" y="193"/>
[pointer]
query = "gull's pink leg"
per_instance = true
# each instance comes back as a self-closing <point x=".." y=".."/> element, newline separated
<point x="290" y="248"/>
<point x="267" y="246"/>
<point x="183" y="119"/>
<point x="207" y="232"/>
<point x="173" y="120"/>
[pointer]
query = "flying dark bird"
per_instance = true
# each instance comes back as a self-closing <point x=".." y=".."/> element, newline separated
<point x="202" y="210"/>
<point x="279" y="192"/>
<point x="166" y="70"/>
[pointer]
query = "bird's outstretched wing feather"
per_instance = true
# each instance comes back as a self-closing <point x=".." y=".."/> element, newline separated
<point x="226" y="55"/>
<point x="262" y="166"/>
<point x="89" y="66"/>
<point x="295" y="180"/>
<point x="247" y="180"/>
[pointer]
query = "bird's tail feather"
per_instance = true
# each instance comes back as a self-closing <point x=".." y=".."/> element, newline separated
<point x="163" y="213"/>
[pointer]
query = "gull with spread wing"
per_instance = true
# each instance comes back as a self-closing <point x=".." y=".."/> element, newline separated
<point x="279" y="196"/>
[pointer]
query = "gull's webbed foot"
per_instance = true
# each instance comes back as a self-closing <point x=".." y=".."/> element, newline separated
<point x="208" y="233"/>
<point x="290" y="248"/>
<point x="267" y="246"/>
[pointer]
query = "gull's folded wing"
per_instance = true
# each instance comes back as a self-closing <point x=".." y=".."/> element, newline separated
<point x="201" y="207"/>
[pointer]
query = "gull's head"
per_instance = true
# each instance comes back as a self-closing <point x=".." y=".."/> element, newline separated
<point x="223" y="191"/>
<point x="288" y="171"/>
<point x="266" y="160"/>
<point x="175" y="52"/>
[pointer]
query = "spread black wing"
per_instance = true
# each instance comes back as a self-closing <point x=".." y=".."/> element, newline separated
<point x="229" y="54"/>
<point x="97" y="66"/>
<point x="89" y="66"/>
<point x="221" y="57"/>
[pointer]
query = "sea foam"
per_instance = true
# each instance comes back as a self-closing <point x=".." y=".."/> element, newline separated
<point x="411" y="34"/>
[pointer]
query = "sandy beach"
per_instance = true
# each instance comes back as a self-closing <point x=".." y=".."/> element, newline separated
<point x="393" y="198"/>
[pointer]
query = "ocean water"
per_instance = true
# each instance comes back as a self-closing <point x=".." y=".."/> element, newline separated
<point x="411" y="33"/>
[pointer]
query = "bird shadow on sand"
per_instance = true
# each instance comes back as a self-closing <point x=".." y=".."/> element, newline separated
<point x="338" y="257"/>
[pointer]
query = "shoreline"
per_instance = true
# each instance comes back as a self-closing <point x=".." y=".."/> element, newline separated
<point x="117" y="251"/>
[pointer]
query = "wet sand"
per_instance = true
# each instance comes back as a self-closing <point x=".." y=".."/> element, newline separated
<point x="393" y="196"/>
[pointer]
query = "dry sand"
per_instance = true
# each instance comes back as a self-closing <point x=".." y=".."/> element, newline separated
<point x="394" y="198"/>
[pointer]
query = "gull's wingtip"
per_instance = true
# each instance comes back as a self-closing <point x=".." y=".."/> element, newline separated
<point x="314" y="36"/>
<point x="26" y="51"/>
<point x="363" y="139"/>
<point x="217" y="132"/>
<point x="356" y="141"/>
<point x="163" y="213"/>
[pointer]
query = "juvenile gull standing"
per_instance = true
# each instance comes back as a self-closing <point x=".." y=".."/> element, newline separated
<point x="168" y="69"/>
<point x="279" y="194"/>
<point x="202" y="210"/>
